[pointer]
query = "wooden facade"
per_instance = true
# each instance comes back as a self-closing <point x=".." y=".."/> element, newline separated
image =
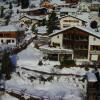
<point x="78" y="41"/>
<point x="11" y="38"/>
<point x="11" y="34"/>
<point x="72" y="1"/>
<point x="36" y="12"/>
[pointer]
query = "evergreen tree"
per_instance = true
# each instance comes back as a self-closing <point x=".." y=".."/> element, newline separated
<point x="99" y="13"/>
<point x="18" y="2"/>
<point x="44" y="22"/>
<point x="94" y="24"/>
<point x="2" y="12"/>
<point x="52" y="22"/>
<point x="7" y="20"/>
<point x="24" y="4"/>
<point x="6" y="65"/>
<point x="10" y="5"/>
<point x="33" y="28"/>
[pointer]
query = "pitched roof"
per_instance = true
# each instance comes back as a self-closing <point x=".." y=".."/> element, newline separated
<point x="11" y="28"/>
<point x="73" y="17"/>
<point x="33" y="17"/>
<point x="90" y="31"/>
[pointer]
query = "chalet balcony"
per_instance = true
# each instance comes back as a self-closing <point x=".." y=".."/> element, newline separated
<point x="71" y="39"/>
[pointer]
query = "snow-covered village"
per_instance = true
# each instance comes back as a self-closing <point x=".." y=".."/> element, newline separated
<point x="49" y="49"/>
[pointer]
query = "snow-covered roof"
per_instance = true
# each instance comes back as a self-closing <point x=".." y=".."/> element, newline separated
<point x="90" y="31"/>
<point x="33" y="17"/>
<point x="10" y="28"/>
<point x="42" y="29"/>
<point x="74" y="17"/>
<point x="31" y="9"/>
<point x="66" y="9"/>
<point x="81" y="16"/>
<point x="95" y="2"/>
<point x="57" y="2"/>
<point x="91" y="77"/>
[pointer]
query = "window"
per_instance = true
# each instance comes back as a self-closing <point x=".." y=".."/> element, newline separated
<point x="57" y="36"/>
<point x="1" y="41"/>
<point x="12" y="41"/>
<point x="65" y="25"/>
<point x="1" y="35"/>
<point x="8" y="41"/>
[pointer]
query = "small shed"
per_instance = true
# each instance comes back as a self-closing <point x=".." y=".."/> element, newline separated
<point x="91" y="86"/>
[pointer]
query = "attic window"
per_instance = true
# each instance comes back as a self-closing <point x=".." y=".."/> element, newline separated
<point x="57" y="36"/>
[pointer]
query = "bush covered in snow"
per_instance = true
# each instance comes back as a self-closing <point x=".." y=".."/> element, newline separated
<point x="40" y="63"/>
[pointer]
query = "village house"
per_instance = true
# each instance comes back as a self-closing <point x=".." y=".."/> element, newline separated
<point x="95" y="5"/>
<point x="10" y="36"/>
<point x="31" y="20"/>
<point x="34" y="11"/>
<point x="70" y="20"/>
<point x="83" y="42"/>
<point x="84" y="6"/>
<point x="61" y="5"/>
<point x="68" y="11"/>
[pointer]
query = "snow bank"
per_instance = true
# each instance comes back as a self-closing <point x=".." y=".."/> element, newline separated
<point x="7" y="97"/>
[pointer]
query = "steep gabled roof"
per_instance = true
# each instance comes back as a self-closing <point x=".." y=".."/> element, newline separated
<point x="11" y="28"/>
<point x="32" y="17"/>
<point x="91" y="32"/>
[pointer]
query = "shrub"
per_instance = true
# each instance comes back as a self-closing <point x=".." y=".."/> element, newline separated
<point x="36" y="46"/>
<point x="40" y="63"/>
<point x="67" y="63"/>
<point x="86" y="69"/>
<point x="93" y="24"/>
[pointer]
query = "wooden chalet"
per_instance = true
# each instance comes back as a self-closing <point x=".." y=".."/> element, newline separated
<point x="83" y="42"/>
<point x="69" y="20"/>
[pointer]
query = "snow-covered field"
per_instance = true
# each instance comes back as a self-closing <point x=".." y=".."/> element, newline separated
<point x="61" y="87"/>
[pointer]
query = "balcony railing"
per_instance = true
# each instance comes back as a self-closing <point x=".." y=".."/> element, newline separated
<point x="71" y="39"/>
